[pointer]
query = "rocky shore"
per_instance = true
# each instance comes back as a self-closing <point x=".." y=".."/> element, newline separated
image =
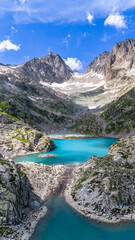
<point x="86" y="213"/>
<point x="103" y="188"/>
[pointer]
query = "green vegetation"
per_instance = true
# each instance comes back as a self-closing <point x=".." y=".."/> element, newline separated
<point x="21" y="136"/>
<point x="84" y="178"/>
<point x="120" y="114"/>
<point x="12" y="178"/>
<point x="87" y="124"/>
<point x="4" y="229"/>
<point x="128" y="166"/>
<point x="20" y="173"/>
<point x="4" y="106"/>
<point x="4" y="162"/>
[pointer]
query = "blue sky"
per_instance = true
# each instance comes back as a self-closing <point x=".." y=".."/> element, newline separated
<point x="77" y="30"/>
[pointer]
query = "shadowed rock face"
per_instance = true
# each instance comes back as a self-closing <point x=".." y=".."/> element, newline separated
<point x="14" y="192"/>
<point x="120" y="114"/>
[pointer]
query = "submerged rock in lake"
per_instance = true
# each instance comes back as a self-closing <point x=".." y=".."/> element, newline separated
<point x="47" y="155"/>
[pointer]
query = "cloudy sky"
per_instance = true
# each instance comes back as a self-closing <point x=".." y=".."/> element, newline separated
<point x="78" y="30"/>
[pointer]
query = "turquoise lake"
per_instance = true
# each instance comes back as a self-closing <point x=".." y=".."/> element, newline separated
<point x="73" y="151"/>
<point x="63" y="223"/>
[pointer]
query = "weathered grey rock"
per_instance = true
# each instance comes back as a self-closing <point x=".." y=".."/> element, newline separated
<point x="121" y="56"/>
<point x="18" y="139"/>
<point x="14" y="192"/>
<point x="50" y="68"/>
<point x="104" y="186"/>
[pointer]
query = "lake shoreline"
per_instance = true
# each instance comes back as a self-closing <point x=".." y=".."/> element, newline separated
<point x="93" y="217"/>
<point x="78" y="136"/>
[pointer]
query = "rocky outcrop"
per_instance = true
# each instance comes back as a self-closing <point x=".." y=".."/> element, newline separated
<point x="103" y="188"/>
<point x="14" y="193"/>
<point x="18" y="138"/>
<point x="123" y="152"/>
<point x="44" y="179"/>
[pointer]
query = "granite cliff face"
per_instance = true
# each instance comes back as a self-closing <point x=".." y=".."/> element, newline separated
<point x="14" y="193"/>
<point x="122" y="57"/>
<point x="98" y="64"/>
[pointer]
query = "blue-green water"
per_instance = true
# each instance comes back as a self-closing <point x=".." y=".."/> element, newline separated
<point x="63" y="223"/>
<point x="73" y="151"/>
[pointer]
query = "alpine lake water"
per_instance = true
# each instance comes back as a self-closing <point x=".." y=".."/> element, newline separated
<point x="62" y="222"/>
<point x="72" y="151"/>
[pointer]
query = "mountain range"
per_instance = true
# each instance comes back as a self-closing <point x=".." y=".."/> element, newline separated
<point x="49" y="96"/>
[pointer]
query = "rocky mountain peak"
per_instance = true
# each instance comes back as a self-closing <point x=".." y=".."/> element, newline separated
<point x="121" y="56"/>
<point x="50" y="68"/>
<point x="98" y="63"/>
<point x="58" y="64"/>
<point x="123" y="49"/>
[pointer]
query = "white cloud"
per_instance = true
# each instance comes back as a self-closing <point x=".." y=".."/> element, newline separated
<point x="26" y="58"/>
<point x="8" y="45"/>
<point x="62" y="11"/>
<point x="105" y="37"/>
<point x="66" y="40"/>
<point x="22" y="1"/>
<point x="74" y="63"/>
<point x="13" y="30"/>
<point x="90" y="18"/>
<point x="116" y="20"/>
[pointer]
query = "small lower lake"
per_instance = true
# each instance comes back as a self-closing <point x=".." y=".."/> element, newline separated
<point x="64" y="223"/>
<point x="72" y="151"/>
